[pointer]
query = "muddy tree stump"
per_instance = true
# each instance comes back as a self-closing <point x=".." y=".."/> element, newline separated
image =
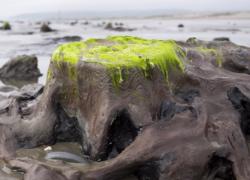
<point x="146" y="109"/>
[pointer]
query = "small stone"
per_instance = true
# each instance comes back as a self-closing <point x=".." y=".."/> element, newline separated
<point x="45" y="28"/>
<point x="226" y="39"/>
<point x="21" y="68"/>
<point x="181" y="26"/>
<point x="6" y="170"/>
<point x="49" y="148"/>
<point x="215" y="144"/>
<point x="109" y="26"/>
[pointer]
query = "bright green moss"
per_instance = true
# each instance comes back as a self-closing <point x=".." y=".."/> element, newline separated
<point x="71" y="52"/>
<point x="91" y="41"/>
<point x="119" y="53"/>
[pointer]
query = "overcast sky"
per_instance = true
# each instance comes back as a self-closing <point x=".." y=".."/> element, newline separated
<point x="16" y="7"/>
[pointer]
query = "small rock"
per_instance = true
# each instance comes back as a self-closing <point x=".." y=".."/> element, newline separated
<point x="6" y="170"/>
<point x="120" y="28"/>
<point x="86" y="23"/>
<point x="118" y="24"/>
<point x="73" y="23"/>
<point x="28" y="33"/>
<point x="45" y="28"/>
<point x="109" y="26"/>
<point x="180" y="25"/>
<point x="215" y="144"/>
<point x="67" y="39"/>
<point x="49" y="148"/>
<point x="22" y="67"/>
<point x="226" y="39"/>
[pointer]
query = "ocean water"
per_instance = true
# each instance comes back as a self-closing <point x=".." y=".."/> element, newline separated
<point x="18" y="41"/>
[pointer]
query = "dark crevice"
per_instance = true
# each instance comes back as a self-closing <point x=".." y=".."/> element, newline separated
<point x="242" y="104"/>
<point x="23" y="142"/>
<point x="168" y="109"/>
<point x="237" y="61"/>
<point x="149" y="171"/>
<point x="66" y="128"/>
<point x="219" y="168"/>
<point x="188" y="95"/>
<point x="121" y="134"/>
<point x="236" y="68"/>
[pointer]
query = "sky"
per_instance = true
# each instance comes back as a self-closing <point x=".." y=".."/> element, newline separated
<point x="10" y="8"/>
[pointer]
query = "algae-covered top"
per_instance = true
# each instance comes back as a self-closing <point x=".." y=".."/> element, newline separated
<point x="123" y="52"/>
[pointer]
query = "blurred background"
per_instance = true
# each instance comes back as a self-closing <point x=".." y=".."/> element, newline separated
<point x="37" y="27"/>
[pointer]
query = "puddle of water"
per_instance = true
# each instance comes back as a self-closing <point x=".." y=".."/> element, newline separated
<point x="39" y="153"/>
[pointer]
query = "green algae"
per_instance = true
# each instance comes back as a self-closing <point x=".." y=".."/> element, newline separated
<point x="6" y="25"/>
<point x="49" y="74"/>
<point x="213" y="52"/>
<point x="70" y="52"/>
<point x="121" y="53"/>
